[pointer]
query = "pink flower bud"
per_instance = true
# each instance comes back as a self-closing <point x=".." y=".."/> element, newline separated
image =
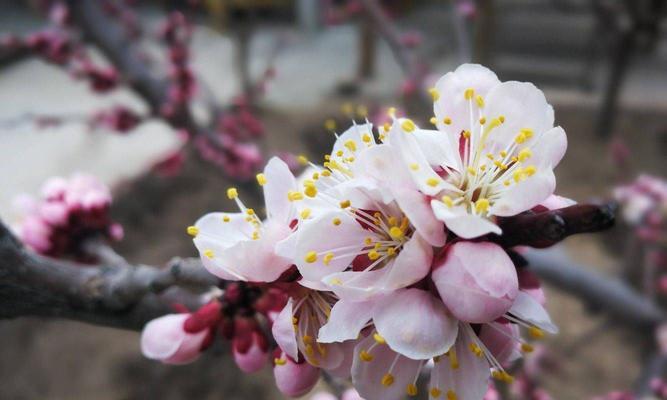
<point x="476" y="281"/>
<point x="294" y="379"/>
<point x="55" y="213"/>
<point x="165" y="339"/>
<point x="54" y="188"/>
<point x="35" y="233"/>
<point x="255" y="357"/>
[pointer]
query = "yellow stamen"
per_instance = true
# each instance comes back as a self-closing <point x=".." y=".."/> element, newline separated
<point x="434" y="94"/>
<point x="365" y="356"/>
<point x="447" y="121"/>
<point x="433" y="182"/>
<point x="310" y="191"/>
<point x="481" y="205"/>
<point x="327" y="258"/>
<point x="345" y="204"/>
<point x="469" y="93"/>
<point x="305" y="213"/>
<point x="414" y="166"/>
<point x="535" y="332"/>
<point x="250" y="211"/>
<point x="396" y="233"/>
<point x="261" y="179"/>
<point x="330" y="124"/>
<point x="433" y="120"/>
<point x="435" y="392"/>
<point x="373" y="255"/>
<point x="480" y="101"/>
<point x="387" y="380"/>
<point x="366" y="138"/>
<point x="527" y="348"/>
<point x="303" y="160"/>
<point x="466" y="134"/>
<point x="192" y="230"/>
<point x="378" y="338"/>
<point x="482" y="120"/>
<point x="408" y="125"/>
<point x="336" y="221"/>
<point x="448" y="201"/>
<point x="226" y="218"/>
<point x="279" y="361"/>
<point x="525" y="154"/>
<point x="453" y="359"/>
<point x="294" y="196"/>
<point x="209" y="253"/>
<point x="476" y="350"/>
<point x="411" y="389"/>
<point x="232" y="193"/>
<point x="351" y="145"/>
<point x="311" y="257"/>
<point x="451" y="395"/>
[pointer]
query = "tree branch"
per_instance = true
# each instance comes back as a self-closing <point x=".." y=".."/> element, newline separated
<point x="117" y="295"/>
<point x="547" y="228"/>
<point x="610" y="296"/>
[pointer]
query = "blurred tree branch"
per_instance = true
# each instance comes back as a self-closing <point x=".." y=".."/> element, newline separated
<point x="116" y="294"/>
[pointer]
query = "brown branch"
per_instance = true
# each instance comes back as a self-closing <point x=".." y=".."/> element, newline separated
<point x="118" y="295"/>
<point x="550" y="227"/>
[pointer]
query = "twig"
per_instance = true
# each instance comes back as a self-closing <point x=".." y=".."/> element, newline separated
<point x="547" y="228"/>
<point x="122" y="296"/>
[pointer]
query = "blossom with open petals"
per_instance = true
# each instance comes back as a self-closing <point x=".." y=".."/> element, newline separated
<point x="240" y="246"/>
<point x="494" y="153"/>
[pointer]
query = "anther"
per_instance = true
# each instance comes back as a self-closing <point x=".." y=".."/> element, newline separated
<point x="305" y="213"/>
<point x="279" y="361"/>
<point x="303" y="160"/>
<point x="311" y="257"/>
<point x="451" y="395"/>
<point x="434" y="94"/>
<point x="481" y="205"/>
<point x="192" y="230"/>
<point x="469" y="93"/>
<point x="351" y="145"/>
<point x="448" y="201"/>
<point x="387" y="380"/>
<point x="365" y="356"/>
<point x="411" y="389"/>
<point x="536" y="332"/>
<point x="345" y="204"/>
<point x="480" y="101"/>
<point x="527" y="348"/>
<point x="433" y="120"/>
<point x="435" y="392"/>
<point x="226" y="218"/>
<point x="232" y="193"/>
<point x="261" y="179"/>
<point x="408" y="125"/>
<point x="327" y="258"/>
<point x="378" y="338"/>
<point x="366" y="138"/>
<point x="447" y="121"/>
<point x="396" y="233"/>
<point x="336" y="221"/>
<point x="209" y="253"/>
<point x="432" y="182"/>
<point x="373" y="255"/>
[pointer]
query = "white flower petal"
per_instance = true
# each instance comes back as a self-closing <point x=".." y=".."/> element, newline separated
<point x="415" y="324"/>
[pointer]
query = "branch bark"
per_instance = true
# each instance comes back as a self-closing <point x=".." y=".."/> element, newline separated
<point x="117" y="295"/>
<point x="611" y="296"/>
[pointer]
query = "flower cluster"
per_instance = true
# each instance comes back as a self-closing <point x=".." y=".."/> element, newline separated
<point x="386" y="250"/>
<point x="69" y="212"/>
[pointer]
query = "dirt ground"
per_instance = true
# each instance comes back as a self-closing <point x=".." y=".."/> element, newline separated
<point x="69" y="360"/>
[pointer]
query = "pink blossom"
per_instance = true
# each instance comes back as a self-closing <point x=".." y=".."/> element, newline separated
<point x="294" y="379"/>
<point x="165" y="339"/>
<point x="476" y="281"/>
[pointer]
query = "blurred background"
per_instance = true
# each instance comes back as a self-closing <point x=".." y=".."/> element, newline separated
<point x="304" y="68"/>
